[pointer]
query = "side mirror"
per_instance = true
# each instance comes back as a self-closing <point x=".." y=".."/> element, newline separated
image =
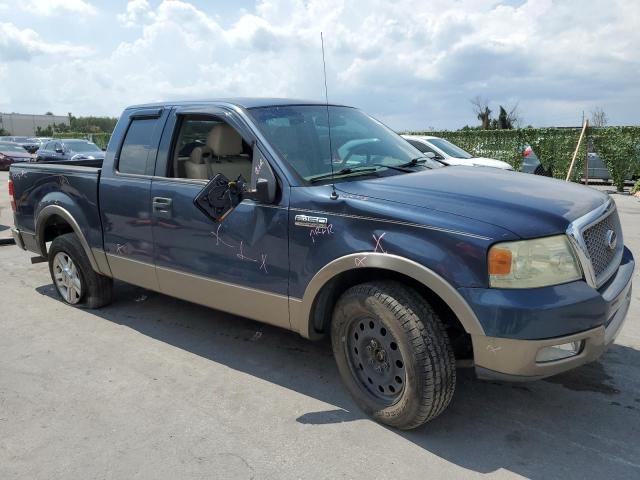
<point x="263" y="193"/>
<point x="59" y="150"/>
<point x="263" y="186"/>
<point x="430" y="155"/>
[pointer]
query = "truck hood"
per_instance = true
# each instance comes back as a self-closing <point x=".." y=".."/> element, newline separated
<point x="527" y="205"/>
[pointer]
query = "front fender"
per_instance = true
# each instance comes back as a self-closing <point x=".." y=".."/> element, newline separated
<point x="300" y="309"/>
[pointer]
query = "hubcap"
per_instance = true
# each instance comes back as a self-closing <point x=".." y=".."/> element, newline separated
<point x="67" y="278"/>
<point x="375" y="359"/>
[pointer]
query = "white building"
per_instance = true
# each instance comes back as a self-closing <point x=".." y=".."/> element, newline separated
<point x="25" y="125"/>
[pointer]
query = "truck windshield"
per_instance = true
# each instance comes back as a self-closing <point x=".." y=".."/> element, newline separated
<point x="449" y="148"/>
<point x="83" y="147"/>
<point x="300" y="133"/>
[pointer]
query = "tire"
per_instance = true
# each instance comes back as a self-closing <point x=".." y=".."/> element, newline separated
<point x="393" y="354"/>
<point x="77" y="283"/>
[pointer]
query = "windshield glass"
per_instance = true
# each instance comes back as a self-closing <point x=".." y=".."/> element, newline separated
<point x="449" y="148"/>
<point x="300" y="133"/>
<point x="10" y="147"/>
<point x="81" y="146"/>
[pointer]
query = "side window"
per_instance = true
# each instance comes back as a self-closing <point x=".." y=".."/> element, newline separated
<point x="134" y="154"/>
<point x="206" y="146"/>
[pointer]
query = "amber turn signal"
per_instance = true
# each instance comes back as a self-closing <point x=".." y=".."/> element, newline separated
<point x="499" y="261"/>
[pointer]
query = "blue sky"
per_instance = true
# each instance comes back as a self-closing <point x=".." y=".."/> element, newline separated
<point x="414" y="64"/>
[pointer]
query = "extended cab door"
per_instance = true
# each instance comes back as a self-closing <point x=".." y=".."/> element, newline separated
<point x="125" y="196"/>
<point x="234" y="260"/>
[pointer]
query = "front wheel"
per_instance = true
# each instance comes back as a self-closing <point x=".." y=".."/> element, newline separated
<point x="393" y="353"/>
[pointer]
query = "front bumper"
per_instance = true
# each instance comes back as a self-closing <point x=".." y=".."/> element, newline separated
<point x="508" y="357"/>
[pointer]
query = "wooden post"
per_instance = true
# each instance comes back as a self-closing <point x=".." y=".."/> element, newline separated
<point x="575" y="153"/>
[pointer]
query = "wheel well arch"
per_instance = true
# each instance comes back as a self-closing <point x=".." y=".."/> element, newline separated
<point x="312" y="315"/>
<point x="322" y="309"/>
<point x="53" y="221"/>
<point x="53" y="227"/>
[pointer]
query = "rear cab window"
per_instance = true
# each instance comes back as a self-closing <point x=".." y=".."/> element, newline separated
<point x="135" y="154"/>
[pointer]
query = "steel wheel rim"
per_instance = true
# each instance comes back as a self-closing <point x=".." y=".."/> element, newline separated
<point x="67" y="278"/>
<point x="375" y="359"/>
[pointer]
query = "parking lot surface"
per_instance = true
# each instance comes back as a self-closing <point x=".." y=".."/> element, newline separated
<point x="154" y="387"/>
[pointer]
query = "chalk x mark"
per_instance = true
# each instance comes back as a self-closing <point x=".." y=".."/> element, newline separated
<point x="378" y="242"/>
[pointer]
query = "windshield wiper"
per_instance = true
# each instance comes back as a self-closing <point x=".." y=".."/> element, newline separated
<point x="401" y="167"/>
<point x="344" y="171"/>
<point x="421" y="160"/>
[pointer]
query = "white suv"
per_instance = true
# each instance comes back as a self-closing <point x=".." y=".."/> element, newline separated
<point x="446" y="152"/>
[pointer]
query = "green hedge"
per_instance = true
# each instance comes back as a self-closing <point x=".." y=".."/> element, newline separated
<point x="619" y="147"/>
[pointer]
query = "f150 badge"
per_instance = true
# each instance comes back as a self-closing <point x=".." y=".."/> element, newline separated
<point x="312" y="222"/>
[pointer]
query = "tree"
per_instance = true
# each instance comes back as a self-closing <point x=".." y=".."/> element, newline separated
<point x="481" y="109"/>
<point x="507" y="118"/>
<point x="510" y="119"/>
<point x="598" y="118"/>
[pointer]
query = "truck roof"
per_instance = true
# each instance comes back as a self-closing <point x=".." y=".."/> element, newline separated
<point x="242" y="102"/>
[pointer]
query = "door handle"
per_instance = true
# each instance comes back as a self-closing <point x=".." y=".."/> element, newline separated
<point x="162" y="206"/>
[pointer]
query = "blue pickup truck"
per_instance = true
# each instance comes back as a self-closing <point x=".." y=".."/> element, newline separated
<point x="319" y="219"/>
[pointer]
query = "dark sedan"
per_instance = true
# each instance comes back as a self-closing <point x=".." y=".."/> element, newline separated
<point x="63" y="150"/>
<point x="12" y="153"/>
<point x="28" y="143"/>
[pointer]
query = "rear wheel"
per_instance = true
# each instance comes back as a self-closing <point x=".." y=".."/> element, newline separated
<point x="73" y="277"/>
<point x="393" y="354"/>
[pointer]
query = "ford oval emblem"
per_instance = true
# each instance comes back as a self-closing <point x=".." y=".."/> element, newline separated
<point x="612" y="239"/>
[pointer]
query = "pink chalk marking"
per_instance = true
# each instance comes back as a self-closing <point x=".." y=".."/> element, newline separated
<point x="378" y="241"/>
<point x="242" y="256"/>
<point x="360" y="261"/>
<point x="219" y="239"/>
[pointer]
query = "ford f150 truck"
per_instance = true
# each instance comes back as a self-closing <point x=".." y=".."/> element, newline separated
<point x="319" y="219"/>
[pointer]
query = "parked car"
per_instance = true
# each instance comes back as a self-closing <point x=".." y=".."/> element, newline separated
<point x="62" y="150"/>
<point x="450" y="154"/>
<point x="346" y="231"/>
<point x="11" y="153"/>
<point x="598" y="170"/>
<point x="29" y="144"/>
<point x="41" y="141"/>
<point x="531" y="163"/>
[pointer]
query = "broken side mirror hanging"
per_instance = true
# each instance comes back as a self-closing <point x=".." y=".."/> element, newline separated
<point x="220" y="196"/>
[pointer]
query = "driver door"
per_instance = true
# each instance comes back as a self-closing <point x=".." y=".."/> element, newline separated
<point x="232" y="258"/>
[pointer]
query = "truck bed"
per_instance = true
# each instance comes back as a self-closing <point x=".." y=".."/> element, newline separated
<point x="69" y="186"/>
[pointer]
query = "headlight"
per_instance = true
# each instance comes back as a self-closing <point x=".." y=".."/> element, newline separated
<point x="533" y="263"/>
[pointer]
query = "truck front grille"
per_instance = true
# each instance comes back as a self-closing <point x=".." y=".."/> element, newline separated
<point x="596" y="238"/>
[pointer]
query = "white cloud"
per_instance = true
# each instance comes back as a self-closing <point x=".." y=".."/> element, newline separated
<point x="138" y="12"/>
<point x="23" y="44"/>
<point x="411" y="63"/>
<point x="53" y="7"/>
